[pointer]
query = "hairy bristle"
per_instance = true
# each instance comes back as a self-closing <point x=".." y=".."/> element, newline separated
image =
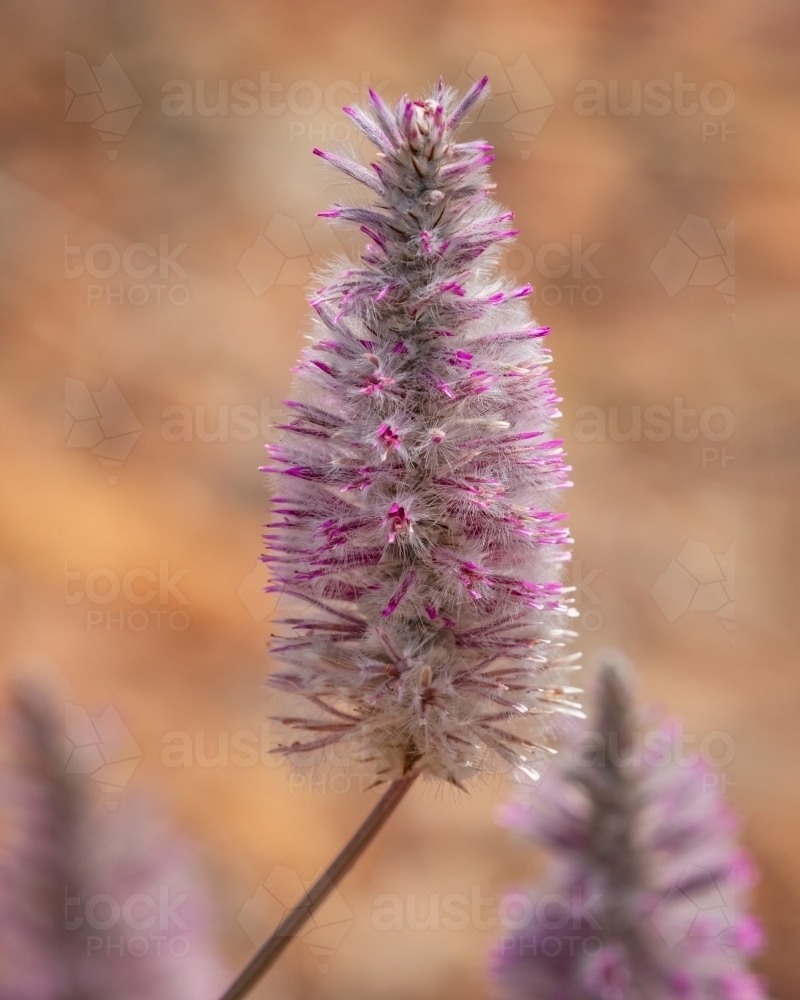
<point x="415" y="529"/>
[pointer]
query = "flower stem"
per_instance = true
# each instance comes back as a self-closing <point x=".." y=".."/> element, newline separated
<point x="316" y="895"/>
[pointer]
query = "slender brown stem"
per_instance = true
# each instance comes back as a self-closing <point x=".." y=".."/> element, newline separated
<point x="316" y="895"/>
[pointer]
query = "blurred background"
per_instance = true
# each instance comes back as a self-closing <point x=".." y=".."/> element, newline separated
<point x="158" y="230"/>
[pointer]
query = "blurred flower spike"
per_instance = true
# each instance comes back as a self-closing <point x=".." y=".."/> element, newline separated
<point x="93" y="904"/>
<point x="647" y="896"/>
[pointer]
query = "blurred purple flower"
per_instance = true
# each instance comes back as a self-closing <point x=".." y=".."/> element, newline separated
<point x="93" y="905"/>
<point x="418" y="474"/>
<point x="646" y="900"/>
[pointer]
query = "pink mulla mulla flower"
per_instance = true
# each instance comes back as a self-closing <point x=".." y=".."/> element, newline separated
<point x="414" y="532"/>
<point x="94" y="904"/>
<point x="646" y="899"/>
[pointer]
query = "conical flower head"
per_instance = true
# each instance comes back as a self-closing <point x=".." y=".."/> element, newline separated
<point x="647" y="898"/>
<point x="418" y="475"/>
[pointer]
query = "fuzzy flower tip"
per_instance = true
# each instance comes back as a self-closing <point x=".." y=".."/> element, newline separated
<point x="417" y="476"/>
<point x="93" y="904"/>
<point x="647" y="899"/>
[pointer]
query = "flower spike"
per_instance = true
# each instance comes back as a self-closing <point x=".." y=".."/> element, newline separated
<point x="415" y="536"/>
